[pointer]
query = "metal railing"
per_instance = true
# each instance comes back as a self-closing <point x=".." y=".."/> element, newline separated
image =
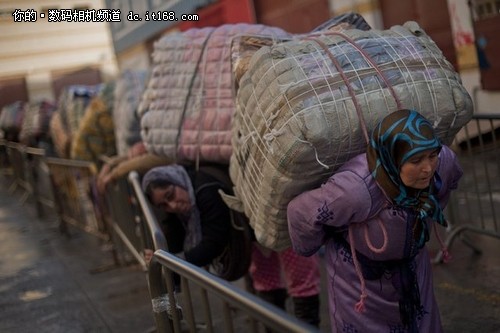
<point x="16" y="153"/>
<point x="125" y="219"/>
<point x="475" y="206"/>
<point x="257" y="314"/>
<point x="5" y="166"/>
<point x="72" y="182"/>
<point x="39" y="179"/>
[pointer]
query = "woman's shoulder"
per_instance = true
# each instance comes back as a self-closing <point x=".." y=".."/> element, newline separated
<point x="449" y="168"/>
<point x="356" y="170"/>
<point x="360" y="186"/>
<point x="448" y="162"/>
<point x="447" y="154"/>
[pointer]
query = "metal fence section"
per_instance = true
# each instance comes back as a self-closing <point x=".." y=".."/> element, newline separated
<point x="475" y="206"/>
<point x="216" y="297"/>
<point x="74" y="194"/>
<point x="39" y="179"/>
<point x="16" y="153"/>
<point x="5" y="166"/>
<point x="126" y="220"/>
<point x="255" y="314"/>
<point x="67" y="188"/>
<point x="27" y="170"/>
<point x="77" y="202"/>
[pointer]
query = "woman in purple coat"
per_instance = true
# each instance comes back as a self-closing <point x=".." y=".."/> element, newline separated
<point x="374" y="216"/>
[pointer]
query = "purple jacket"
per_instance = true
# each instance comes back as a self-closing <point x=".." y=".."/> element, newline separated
<point x="352" y="199"/>
<point x="351" y="195"/>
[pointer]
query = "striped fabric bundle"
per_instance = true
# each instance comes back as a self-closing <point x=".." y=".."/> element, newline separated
<point x="187" y="107"/>
<point x="306" y="106"/>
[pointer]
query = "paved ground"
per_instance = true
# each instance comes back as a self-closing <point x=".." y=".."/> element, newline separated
<point x="47" y="282"/>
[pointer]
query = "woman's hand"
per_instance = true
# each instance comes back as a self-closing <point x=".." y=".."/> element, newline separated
<point x="148" y="255"/>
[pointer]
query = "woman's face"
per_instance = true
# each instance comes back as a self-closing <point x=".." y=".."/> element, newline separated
<point x="418" y="171"/>
<point x="172" y="199"/>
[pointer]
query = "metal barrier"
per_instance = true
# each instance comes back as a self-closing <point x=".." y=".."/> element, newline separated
<point x="67" y="188"/>
<point x="5" y="166"/>
<point x="125" y="219"/>
<point x="474" y="206"/>
<point x="258" y="314"/>
<point x="39" y="179"/>
<point x="29" y="173"/>
<point x="76" y="200"/>
<point x="72" y="182"/>
<point x="16" y="153"/>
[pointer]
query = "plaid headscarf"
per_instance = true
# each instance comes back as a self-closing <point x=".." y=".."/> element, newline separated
<point x="398" y="137"/>
<point x="177" y="175"/>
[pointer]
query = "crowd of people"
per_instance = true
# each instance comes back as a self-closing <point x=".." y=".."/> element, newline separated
<point x="373" y="217"/>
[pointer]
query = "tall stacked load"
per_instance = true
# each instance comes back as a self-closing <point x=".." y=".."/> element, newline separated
<point x="65" y="121"/>
<point x="304" y="107"/>
<point x="128" y="91"/>
<point x="188" y="105"/>
<point x="95" y="135"/>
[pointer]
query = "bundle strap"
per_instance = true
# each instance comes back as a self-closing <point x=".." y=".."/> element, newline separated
<point x="344" y="77"/>
<point x="360" y="305"/>
<point x="373" y="63"/>
<point x="384" y="234"/>
<point x="347" y="83"/>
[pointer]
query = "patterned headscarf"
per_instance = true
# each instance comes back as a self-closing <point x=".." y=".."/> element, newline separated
<point x="177" y="175"/>
<point x="398" y="137"/>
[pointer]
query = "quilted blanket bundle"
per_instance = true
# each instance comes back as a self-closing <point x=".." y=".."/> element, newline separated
<point x="306" y="106"/>
<point x="188" y="104"/>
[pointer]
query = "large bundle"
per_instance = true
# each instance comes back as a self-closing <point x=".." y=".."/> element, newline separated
<point x="71" y="107"/>
<point x="11" y="120"/>
<point x="36" y="121"/>
<point x="95" y="135"/>
<point x="303" y="104"/>
<point x="73" y="102"/>
<point x="128" y="92"/>
<point x="188" y="104"/>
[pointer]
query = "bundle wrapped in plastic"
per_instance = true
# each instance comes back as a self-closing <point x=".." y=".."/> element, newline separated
<point x="128" y="91"/>
<point x="188" y="104"/>
<point x="11" y="120"/>
<point x="306" y="106"/>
